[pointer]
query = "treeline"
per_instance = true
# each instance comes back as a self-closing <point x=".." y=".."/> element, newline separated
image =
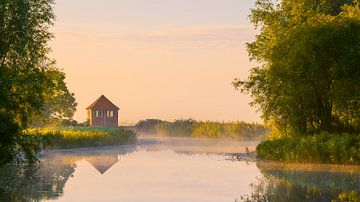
<point x="202" y="129"/>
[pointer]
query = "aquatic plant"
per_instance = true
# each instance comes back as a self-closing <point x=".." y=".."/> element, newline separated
<point x="322" y="148"/>
<point x="75" y="137"/>
<point x="203" y="129"/>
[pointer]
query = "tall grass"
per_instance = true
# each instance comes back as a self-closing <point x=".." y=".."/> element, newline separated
<point x="77" y="137"/>
<point x="321" y="148"/>
<point x="200" y="129"/>
<point x="233" y="130"/>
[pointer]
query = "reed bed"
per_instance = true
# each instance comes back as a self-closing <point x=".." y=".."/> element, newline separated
<point x="78" y="137"/>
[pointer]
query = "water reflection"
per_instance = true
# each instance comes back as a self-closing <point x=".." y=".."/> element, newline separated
<point x="46" y="180"/>
<point x="175" y="170"/>
<point x="305" y="182"/>
<point x="201" y="145"/>
<point x="34" y="183"/>
<point x="162" y="176"/>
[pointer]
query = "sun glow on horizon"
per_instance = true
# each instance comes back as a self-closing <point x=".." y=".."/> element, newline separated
<point x="165" y="66"/>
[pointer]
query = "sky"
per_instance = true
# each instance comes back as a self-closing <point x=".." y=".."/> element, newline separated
<point x="166" y="59"/>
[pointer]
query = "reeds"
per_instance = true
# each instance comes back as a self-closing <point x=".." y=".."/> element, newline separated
<point x="320" y="148"/>
<point x="77" y="137"/>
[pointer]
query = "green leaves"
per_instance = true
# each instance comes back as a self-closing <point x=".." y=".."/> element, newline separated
<point x="59" y="102"/>
<point x="307" y="50"/>
<point x="28" y="79"/>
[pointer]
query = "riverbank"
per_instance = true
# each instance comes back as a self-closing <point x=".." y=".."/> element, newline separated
<point x="322" y="148"/>
<point x="193" y="166"/>
<point x="203" y="129"/>
<point x="79" y="137"/>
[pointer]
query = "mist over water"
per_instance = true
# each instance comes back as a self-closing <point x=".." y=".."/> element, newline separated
<point x="172" y="169"/>
<point x="184" y="144"/>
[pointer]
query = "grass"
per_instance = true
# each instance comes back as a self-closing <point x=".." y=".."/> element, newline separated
<point x="78" y="137"/>
<point x="322" y="148"/>
<point x="201" y="129"/>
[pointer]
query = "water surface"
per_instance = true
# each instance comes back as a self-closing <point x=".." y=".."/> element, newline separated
<point x="174" y="169"/>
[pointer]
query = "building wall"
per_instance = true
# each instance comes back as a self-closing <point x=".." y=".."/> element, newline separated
<point x="89" y="116"/>
<point x="104" y="121"/>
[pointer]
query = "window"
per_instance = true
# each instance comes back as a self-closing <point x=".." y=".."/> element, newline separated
<point x="110" y="114"/>
<point x="99" y="113"/>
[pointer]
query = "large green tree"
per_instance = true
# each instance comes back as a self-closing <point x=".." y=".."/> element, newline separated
<point x="60" y="104"/>
<point x="308" y="52"/>
<point x="25" y="71"/>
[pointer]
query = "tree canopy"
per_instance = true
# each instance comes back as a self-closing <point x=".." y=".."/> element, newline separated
<point x="28" y="77"/>
<point x="59" y="105"/>
<point x="308" y="78"/>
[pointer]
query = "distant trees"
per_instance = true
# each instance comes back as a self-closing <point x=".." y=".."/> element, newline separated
<point x="147" y="126"/>
<point x="178" y="128"/>
<point x="29" y="79"/>
<point x="308" y="80"/>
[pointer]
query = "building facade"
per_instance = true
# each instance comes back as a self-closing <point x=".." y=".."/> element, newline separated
<point x="103" y="113"/>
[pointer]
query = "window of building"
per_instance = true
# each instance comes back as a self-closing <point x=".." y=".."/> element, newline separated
<point x="110" y="114"/>
<point x="99" y="113"/>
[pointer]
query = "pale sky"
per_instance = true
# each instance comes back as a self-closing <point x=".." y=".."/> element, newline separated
<point x="165" y="59"/>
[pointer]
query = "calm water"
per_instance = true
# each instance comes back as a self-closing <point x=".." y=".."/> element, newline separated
<point x="174" y="169"/>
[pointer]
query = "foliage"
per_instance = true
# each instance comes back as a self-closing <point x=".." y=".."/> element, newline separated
<point x="323" y="148"/>
<point x="28" y="77"/>
<point x="208" y="129"/>
<point x="178" y="128"/>
<point x="76" y="137"/>
<point x="148" y="126"/>
<point x="308" y="78"/>
<point x="59" y="106"/>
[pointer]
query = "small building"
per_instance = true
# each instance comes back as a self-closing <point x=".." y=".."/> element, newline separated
<point x="102" y="113"/>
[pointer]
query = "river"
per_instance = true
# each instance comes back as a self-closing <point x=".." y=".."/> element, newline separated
<point x="176" y="170"/>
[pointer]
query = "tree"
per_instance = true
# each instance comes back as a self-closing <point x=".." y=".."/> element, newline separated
<point x="60" y="103"/>
<point x="25" y="71"/>
<point x="309" y="74"/>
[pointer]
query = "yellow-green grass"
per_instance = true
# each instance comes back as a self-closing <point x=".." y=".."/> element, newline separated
<point x="320" y="148"/>
<point x="210" y="129"/>
<point x="78" y="137"/>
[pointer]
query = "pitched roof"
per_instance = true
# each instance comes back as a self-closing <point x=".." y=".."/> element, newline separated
<point x="102" y="103"/>
<point x="102" y="163"/>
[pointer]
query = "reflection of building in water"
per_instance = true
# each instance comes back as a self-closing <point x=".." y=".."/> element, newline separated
<point x="102" y="163"/>
<point x="46" y="180"/>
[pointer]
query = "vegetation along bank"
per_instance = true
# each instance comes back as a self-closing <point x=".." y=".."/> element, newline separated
<point x="308" y="79"/>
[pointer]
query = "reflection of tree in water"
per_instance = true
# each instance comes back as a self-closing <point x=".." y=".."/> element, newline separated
<point x="34" y="183"/>
<point x="285" y="184"/>
<point x="47" y="179"/>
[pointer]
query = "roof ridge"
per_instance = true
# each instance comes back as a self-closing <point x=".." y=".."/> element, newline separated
<point x="101" y="103"/>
